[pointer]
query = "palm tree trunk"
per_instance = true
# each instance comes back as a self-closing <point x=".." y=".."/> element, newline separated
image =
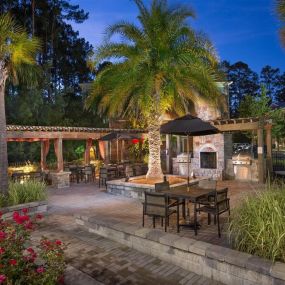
<point x="3" y="135"/>
<point x="154" y="162"/>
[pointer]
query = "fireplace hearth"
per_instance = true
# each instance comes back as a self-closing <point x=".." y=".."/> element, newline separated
<point x="208" y="160"/>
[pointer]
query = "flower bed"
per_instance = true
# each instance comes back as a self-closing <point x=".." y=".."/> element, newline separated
<point x="21" y="263"/>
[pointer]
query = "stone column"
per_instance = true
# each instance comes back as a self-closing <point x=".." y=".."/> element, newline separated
<point x="260" y="147"/>
<point x="58" y="153"/>
<point x="269" y="148"/>
<point x="168" y="153"/>
<point x="44" y="152"/>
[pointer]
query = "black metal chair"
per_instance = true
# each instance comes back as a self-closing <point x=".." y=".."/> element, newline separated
<point x="209" y="184"/>
<point x="104" y="176"/>
<point x="157" y="205"/>
<point x="88" y="174"/>
<point x="219" y="205"/>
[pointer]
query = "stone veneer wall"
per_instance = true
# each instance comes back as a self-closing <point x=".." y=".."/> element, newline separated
<point x="219" y="143"/>
<point x="135" y="190"/>
<point x="212" y="261"/>
<point x="33" y="208"/>
<point x="60" y="179"/>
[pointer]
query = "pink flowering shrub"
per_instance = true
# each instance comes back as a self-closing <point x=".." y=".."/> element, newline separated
<point x="23" y="264"/>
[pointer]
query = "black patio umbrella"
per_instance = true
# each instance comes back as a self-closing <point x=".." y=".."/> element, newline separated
<point x="119" y="136"/>
<point x="188" y="125"/>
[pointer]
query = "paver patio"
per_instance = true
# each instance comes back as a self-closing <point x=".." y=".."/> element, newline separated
<point x="106" y="261"/>
<point x="88" y="199"/>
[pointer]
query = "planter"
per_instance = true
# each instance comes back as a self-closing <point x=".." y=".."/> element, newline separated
<point x="33" y="208"/>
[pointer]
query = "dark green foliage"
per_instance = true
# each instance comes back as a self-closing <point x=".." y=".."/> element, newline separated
<point x="57" y="99"/>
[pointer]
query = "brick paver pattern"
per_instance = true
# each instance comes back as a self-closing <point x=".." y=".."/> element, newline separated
<point x="111" y="263"/>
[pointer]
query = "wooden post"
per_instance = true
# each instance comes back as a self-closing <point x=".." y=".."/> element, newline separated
<point x="87" y="151"/>
<point x="107" y="151"/>
<point x="269" y="148"/>
<point x="58" y="153"/>
<point x="168" y="153"/>
<point x="44" y="152"/>
<point x="122" y="150"/>
<point x="260" y="147"/>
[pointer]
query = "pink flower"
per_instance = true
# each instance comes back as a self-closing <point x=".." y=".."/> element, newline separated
<point x="58" y="242"/>
<point x="2" y="250"/>
<point x="2" y="278"/>
<point x="30" y="250"/>
<point x="25" y="210"/>
<point x="2" y="235"/>
<point x="1" y="214"/>
<point x="40" y="269"/>
<point x="39" y="216"/>
<point x="13" y="262"/>
<point x="28" y="226"/>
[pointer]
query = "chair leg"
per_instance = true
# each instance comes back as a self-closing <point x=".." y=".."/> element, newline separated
<point x="153" y="221"/>
<point x="195" y="219"/>
<point x="143" y="220"/>
<point x="215" y="219"/>
<point x="183" y="208"/>
<point x="161" y="221"/>
<point x="209" y="219"/>
<point x="219" y="230"/>
<point x="177" y="221"/>
<point x="165" y="223"/>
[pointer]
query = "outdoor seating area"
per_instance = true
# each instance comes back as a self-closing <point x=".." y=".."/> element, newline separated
<point x="204" y="198"/>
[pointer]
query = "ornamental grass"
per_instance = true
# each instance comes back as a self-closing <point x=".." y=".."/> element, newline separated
<point x="20" y="193"/>
<point x="257" y="226"/>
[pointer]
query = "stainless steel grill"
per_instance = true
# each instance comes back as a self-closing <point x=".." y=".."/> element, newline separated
<point x="242" y="158"/>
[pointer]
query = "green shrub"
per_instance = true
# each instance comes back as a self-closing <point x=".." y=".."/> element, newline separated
<point x="20" y="193"/>
<point x="257" y="226"/>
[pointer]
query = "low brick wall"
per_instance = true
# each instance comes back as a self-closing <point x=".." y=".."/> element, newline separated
<point x="218" y="263"/>
<point x="135" y="190"/>
<point x="33" y="208"/>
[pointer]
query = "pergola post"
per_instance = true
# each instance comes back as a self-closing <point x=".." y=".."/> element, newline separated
<point x="87" y="151"/>
<point x="44" y="152"/>
<point x="269" y="148"/>
<point x="260" y="148"/>
<point x="58" y="153"/>
<point x="168" y="153"/>
<point x="107" y="151"/>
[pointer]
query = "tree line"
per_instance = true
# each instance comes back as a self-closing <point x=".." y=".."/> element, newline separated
<point x="58" y="99"/>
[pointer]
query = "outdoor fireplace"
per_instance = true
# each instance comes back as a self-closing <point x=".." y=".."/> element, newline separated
<point x="208" y="160"/>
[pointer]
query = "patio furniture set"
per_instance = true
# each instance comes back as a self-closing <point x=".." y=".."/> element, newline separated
<point x="205" y="197"/>
<point x="78" y="173"/>
<point x="116" y="171"/>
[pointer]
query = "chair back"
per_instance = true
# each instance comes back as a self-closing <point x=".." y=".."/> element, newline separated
<point x="155" y="204"/>
<point x="162" y="186"/>
<point x="129" y="171"/>
<point x="87" y="170"/>
<point x="222" y="200"/>
<point x="208" y="184"/>
<point x="103" y="172"/>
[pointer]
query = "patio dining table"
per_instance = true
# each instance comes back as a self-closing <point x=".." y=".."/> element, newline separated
<point x="193" y="195"/>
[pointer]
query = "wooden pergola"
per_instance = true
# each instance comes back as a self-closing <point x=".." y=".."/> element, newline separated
<point x="45" y="134"/>
<point x="258" y="124"/>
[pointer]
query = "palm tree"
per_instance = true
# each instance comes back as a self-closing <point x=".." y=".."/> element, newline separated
<point x="281" y="13"/>
<point x="159" y="66"/>
<point x="17" y="61"/>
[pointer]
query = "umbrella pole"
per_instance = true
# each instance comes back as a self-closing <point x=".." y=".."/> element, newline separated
<point x="188" y="163"/>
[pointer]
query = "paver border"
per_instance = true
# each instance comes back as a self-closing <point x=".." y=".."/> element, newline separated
<point x="212" y="261"/>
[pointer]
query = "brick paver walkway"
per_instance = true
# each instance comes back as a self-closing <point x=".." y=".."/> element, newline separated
<point x="108" y="262"/>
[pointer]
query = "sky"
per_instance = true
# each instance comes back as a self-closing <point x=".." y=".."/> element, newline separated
<point x="245" y="30"/>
